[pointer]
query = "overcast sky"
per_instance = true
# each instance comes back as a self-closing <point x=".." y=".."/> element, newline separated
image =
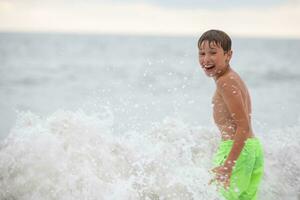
<point x="253" y="18"/>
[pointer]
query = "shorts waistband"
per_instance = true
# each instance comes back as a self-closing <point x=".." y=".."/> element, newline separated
<point x="248" y="141"/>
<point x="225" y="146"/>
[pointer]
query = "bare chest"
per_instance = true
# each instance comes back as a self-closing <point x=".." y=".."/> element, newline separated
<point x="220" y="111"/>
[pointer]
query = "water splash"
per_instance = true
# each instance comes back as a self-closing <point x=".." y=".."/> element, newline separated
<point x="72" y="155"/>
<point x="76" y="155"/>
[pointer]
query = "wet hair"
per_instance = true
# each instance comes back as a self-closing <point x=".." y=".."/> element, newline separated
<point x="218" y="37"/>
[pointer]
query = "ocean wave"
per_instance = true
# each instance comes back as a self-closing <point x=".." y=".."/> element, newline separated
<point x="76" y="155"/>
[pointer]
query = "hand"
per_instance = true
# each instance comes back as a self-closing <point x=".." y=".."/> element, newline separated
<point x="222" y="175"/>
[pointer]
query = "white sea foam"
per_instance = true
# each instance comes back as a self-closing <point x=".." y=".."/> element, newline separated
<point x="282" y="164"/>
<point x="72" y="155"/>
<point x="75" y="155"/>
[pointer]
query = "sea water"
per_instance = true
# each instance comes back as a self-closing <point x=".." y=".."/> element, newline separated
<point x="129" y="117"/>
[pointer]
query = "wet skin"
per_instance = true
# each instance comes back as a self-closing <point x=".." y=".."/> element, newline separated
<point x="231" y="104"/>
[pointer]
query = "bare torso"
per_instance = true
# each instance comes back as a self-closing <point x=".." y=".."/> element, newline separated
<point x="222" y="116"/>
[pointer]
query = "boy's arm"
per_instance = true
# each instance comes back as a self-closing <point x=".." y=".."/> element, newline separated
<point x="231" y="94"/>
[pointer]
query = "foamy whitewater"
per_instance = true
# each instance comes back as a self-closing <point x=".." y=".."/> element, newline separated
<point x="72" y="155"/>
<point x="129" y="118"/>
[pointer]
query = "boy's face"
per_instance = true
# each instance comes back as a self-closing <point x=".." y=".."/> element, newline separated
<point x="213" y="59"/>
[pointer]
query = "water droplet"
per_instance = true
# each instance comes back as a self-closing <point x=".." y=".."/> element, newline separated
<point x="191" y="101"/>
<point x="236" y="190"/>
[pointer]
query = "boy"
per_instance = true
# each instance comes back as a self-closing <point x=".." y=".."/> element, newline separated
<point x="239" y="159"/>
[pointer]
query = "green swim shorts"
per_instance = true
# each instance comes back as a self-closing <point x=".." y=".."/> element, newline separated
<point x="247" y="172"/>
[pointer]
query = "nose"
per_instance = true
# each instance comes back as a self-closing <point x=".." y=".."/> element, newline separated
<point x="204" y="59"/>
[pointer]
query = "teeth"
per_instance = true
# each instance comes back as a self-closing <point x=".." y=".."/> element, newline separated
<point x="208" y="66"/>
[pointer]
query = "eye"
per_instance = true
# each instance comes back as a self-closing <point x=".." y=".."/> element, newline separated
<point x="201" y="53"/>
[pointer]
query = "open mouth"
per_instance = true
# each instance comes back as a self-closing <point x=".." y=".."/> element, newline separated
<point x="209" y="67"/>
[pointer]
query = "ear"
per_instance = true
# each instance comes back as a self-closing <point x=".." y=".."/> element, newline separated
<point x="229" y="55"/>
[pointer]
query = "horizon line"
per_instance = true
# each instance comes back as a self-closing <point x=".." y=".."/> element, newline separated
<point x="144" y="34"/>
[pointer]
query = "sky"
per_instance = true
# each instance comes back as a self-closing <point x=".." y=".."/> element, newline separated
<point x="253" y="18"/>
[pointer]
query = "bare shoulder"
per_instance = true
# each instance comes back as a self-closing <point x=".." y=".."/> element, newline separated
<point x="230" y="82"/>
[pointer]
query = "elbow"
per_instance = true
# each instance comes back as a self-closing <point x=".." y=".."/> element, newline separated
<point x="243" y="126"/>
<point x="243" y="131"/>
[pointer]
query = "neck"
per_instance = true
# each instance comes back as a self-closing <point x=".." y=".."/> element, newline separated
<point x="227" y="69"/>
